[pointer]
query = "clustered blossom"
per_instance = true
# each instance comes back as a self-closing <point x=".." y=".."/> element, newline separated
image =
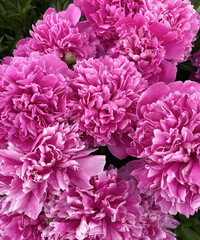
<point x="108" y="91"/>
<point x="60" y="34"/>
<point x="58" y="157"/>
<point x="142" y="46"/>
<point x="155" y="223"/>
<point x="156" y="35"/>
<point x="103" y="15"/>
<point x="167" y="136"/>
<point x="20" y="227"/>
<point x="33" y="95"/>
<point x="74" y="86"/>
<point x="111" y="210"/>
<point x="175" y="23"/>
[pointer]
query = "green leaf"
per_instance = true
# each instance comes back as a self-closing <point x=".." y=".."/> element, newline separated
<point x="185" y="233"/>
<point x="187" y="67"/>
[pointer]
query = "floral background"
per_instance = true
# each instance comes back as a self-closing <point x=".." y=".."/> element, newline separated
<point x="17" y="18"/>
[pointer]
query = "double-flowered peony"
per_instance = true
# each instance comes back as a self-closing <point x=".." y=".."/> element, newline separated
<point x="154" y="34"/>
<point x="33" y="95"/>
<point x="175" y="23"/>
<point x="168" y="139"/>
<point x="107" y="91"/>
<point x="103" y="15"/>
<point x="143" y="47"/>
<point x="113" y="209"/>
<point x="155" y="223"/>
<point x="58" y="158"/>
<point x="20" y="227"/>
<point x="108" y="211"/>
<point x="60" y="34"/>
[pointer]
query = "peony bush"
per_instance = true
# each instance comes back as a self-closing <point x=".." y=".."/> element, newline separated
<point x="99" y="137"/>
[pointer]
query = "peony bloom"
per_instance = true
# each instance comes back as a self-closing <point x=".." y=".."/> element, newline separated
<point x="154" y="34"/>
<point x="155" y="223"/>
<point x="103" y="15"/>
<point x="158" y="37"/>
<point x="167" y="137"/>
<point x="108" y="211"/>
<point x="175" y="23"/>
<point x="60" y="34"/>
<point x="58" y="158"/>
<point x="33" y="95"/>
<point x="139" y="44"/>
<point x="107" y="93"/>
<point x="113" y="209"/>
<point x="20" y="227"/>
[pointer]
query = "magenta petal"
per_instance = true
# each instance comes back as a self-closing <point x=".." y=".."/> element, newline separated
<point x="88" y="10"/>
<point x="89" y="166"/>
<point x="33" y="207"/>
<point x="124" y="21"/>
<point x="168" y="72"/>
<point x="119" y="148"/>
<point x="72" y="13"/>
<point x="187" y="87"/>
<point x="174" y="50"/>
<point x="151" y="95"/>
<point x="139" y="19"/>
<point x="159" y="29"/>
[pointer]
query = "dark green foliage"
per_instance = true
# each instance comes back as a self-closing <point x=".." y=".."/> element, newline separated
<point x="189" y="228"/>
<point x="196" y="4"/>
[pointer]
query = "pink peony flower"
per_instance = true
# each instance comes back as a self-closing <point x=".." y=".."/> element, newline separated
<point x="107" y="93"/>
<point x="103" y="15"/>
<point x="33" y="95"/>
<point x="113" y="209"/>
<point x="60" y="34"/>
<point x="155" y="34"/>
<point x="20" y="227"/>
<point x="58" y="158"/>
<point x="108" y="211"/>
<point x="139" y="44"/>
<point x="155" y="222"/>
<point x="167" y="137"/>
<point x="175" y="23"/>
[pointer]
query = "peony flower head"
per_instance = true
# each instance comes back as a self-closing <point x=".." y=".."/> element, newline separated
<point x="175" y="23"/>
<point x="139" y="44"/>
<point x="108" y="211"/>
<point x="58" y="158"/>
<point x="107" y="94"/>
<point x="167" y="137"/>
<point x="157" y="37"/>
<point x="113" y="209"/>
<point x="155" y="223"/>
<point x="20" y="227"/>
<point x="103" y="15"/>
<point x="33" y="95"/>
<point x="60" y="34"/>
